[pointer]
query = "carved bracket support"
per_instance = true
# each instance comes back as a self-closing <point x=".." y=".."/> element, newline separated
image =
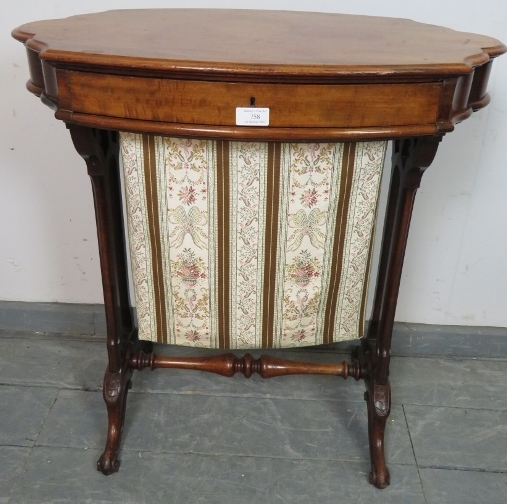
<point x="114" y="391"/>
<point x="228" y="365"/>
<point x="382" y="399"/>
<point x="100" y="150"/>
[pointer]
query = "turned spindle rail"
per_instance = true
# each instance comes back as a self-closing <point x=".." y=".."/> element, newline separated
<point x="228" y="365"/>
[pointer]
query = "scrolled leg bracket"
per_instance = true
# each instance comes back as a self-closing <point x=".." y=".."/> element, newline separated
<point x="115" y="390"/>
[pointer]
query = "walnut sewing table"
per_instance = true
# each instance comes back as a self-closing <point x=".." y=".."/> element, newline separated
<point x="240" y="85"/>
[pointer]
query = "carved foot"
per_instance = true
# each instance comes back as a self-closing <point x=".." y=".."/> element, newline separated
<point x="115" y="390"/>
<point x="380" y="479"/>
<point x="378" y="400"/>
<point x="108" y="465"/>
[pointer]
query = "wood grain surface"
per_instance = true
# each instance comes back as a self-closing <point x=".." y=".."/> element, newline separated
<point x="267" y="42"/>
<point x="323" y="76"/>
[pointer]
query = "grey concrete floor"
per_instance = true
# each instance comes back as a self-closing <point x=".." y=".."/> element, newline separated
<point x="192" y="437"/>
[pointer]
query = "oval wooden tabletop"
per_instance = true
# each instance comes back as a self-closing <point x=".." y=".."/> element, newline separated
<point x="258" y="42"/>
<point x="322" y="76"/>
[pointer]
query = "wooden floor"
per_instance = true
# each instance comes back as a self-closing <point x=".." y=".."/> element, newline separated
<point x="198" y="438"/>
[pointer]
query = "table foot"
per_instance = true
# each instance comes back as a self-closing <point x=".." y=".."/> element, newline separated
<point x="378" y="400"/>
<point x="107" y="465"/>
<point x="115" y="390"/>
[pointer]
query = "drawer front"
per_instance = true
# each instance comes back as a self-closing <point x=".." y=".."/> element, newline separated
<point x="214" y="103"/>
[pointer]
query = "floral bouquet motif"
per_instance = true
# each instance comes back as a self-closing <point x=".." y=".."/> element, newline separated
<point x="189" y="268"/>
<point x="303" y="269"/>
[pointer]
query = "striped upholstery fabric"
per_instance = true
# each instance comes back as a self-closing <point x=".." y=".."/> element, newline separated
<point x="249" y="244"/>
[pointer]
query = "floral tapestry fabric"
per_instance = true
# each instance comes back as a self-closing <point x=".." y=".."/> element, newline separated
<point x="250" y="244"/>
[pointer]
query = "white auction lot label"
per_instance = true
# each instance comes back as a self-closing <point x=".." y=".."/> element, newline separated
<point x="252" y="116"/>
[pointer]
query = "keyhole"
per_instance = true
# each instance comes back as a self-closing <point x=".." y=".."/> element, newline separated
<point x="252" y="101"/>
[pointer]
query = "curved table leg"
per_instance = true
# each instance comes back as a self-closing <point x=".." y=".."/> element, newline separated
<point x="378" y="401"/>
<point x="116" y="386"/>
<point x="411" y="156"/>
<point x="100" y="150"/>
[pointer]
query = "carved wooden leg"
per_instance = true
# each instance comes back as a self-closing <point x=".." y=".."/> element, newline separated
<point x="378" y="401"/>
<point x="411" y="157"/>
<point x="115" y="390"/>
<point x="100" y="150"/>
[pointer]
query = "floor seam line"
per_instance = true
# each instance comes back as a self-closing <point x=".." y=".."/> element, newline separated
<point x="474" y="408"/>
<point x="463" y="469"/>
<point x="20" y="474"/>
<point x="46" y="417"/>
<point x="33" y="446"/>
<point x="229" y="455"/>
<point x="413" y="452"/>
